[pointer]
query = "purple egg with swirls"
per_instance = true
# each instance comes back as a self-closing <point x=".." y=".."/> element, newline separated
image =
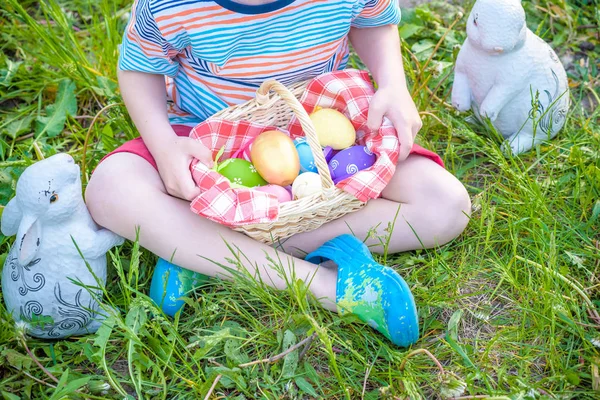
<point x="349" y="161"/>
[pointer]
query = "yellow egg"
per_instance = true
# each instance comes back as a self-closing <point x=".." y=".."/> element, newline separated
<point x="275" y="158"/>
<point x="333" y="128"/>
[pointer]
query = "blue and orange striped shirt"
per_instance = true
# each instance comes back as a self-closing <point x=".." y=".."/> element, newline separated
<point x="215" y="54"/>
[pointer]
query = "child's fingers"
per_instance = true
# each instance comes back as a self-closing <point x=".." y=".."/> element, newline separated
<point x="406" y="144"/>
<point x="188" y="188"/>
<point x="417" y="126"/>
<point x="179" y="183"/>
<point x="185" y="186"/>
<point x="405" y="136"/>
<point x="375" y="117"/>
<point x="200" y="151"/>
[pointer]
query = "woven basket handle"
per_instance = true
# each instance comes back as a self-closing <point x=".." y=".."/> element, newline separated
<point x="309" y="130"/>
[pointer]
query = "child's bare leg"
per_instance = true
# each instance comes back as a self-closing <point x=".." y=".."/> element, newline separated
<point x="126" y="192"/>
<point x="432" y="202"/>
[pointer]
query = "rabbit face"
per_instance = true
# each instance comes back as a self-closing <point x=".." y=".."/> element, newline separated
<point x="48" y="193"/>
<point x="50" y="189"/>
<point x="497" y="26"/>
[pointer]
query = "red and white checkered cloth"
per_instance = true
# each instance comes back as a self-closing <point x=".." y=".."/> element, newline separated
<point x="348" y="91"/>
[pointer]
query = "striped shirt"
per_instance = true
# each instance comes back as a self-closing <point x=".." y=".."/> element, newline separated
<point x="215" y="54"/>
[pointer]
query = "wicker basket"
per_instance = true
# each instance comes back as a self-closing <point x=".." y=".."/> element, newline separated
<point x="275" y="105"/>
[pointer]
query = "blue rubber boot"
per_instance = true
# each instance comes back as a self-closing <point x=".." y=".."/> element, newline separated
<point x="373" y="292"/>
<point x="170" y="283"/>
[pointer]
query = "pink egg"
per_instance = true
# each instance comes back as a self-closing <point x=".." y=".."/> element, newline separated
<point x="280" y="192"/>
<point x="349" y="161"/>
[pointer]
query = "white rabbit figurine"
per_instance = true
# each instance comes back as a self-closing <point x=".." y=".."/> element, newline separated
<point x="43" y="272"/>
<point x="508" y="74"/>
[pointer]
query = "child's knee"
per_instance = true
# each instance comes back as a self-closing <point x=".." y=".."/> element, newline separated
<point x="98" y="194"/>
<point x="119" y="186"/>
<point x="110" y="187"/>
<point x="454" y="205"/>
<point x="458" y="199"/>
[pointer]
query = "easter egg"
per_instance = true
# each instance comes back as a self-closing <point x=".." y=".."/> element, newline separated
<point x="333" y="128"/>
<point x="349" y="161"/>
<point x="241" y="173"/>
<point x="281" y="193"/>
<point x="307" y="161"/>
<point x="328" y="152"/>
<point x="275" y="157"/>
<point x="306" y="185"/>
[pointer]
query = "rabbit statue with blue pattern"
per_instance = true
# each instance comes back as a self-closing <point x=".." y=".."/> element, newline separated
<point x="45" y="280"/>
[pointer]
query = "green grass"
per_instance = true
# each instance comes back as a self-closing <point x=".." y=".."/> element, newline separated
<point x="505" y="308"/>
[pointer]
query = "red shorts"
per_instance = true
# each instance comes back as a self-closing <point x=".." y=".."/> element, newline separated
<point x="137" y="147"/>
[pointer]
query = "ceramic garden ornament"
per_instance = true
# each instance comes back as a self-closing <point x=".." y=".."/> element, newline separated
<point x="508" y="74"/>
<point x="43" y="268"/>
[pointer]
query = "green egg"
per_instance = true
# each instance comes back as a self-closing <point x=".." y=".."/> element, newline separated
<point x="240" y="173"/>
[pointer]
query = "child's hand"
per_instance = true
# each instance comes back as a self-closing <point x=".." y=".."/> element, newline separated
<point x="145" y="97"/>
<point x="397" y="105"/>
<point x="173" y="159"/>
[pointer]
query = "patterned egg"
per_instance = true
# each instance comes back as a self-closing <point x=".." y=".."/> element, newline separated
<point x="349" y="161"/>
<point x="240" y="173"/>
<point x="307" y="161"/>
<point x="280" y="192"/>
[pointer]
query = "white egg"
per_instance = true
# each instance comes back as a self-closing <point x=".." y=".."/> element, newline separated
<point x="306" y="184"/>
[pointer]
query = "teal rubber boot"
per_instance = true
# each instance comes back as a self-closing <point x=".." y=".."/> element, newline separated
<point x="170" y="283"/>
<point x="373" y="292"/>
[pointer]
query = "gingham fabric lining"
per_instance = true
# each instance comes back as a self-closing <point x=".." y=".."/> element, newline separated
<point x="348" y="91"/>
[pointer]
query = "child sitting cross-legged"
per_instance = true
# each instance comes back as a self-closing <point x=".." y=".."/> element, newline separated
<point x="182" y="61"/>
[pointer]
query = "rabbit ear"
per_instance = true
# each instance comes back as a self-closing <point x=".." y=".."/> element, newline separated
<point x="11" y="218"/>
<point x="29" y="238"/>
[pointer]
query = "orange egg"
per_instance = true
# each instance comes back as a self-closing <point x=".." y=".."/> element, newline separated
<point x="274" y="156"/>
